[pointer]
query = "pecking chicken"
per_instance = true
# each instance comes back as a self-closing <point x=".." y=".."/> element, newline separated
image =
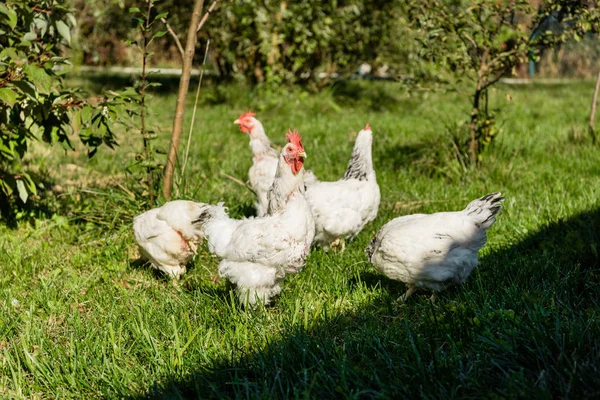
<point x="167" y="236"/>
<point x="264" y="160"/>
<point x="341" y="209"/>
<point x="257" y="253"/>
<point x="434" y="250"/>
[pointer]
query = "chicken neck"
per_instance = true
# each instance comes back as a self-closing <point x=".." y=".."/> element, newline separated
<point x="361" y="164"/>
<point x="285" y="186"/>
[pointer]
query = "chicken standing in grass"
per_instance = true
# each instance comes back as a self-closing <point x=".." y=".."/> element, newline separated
<point x="264" y="160"/>
<point x="434" y="250"/>
<point x="257" y="253"/>
<point x="341" y="209"/>
<point x="167" y="237"/>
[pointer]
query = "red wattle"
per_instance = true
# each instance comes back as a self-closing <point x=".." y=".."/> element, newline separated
<point x="297" y="166"/>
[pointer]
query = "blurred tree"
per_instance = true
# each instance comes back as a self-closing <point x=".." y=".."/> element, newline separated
<point x="274" y="41"/>
<point x="103" y="27"/>
<point x="478" y="42"/>
<point x="289" y="42"/>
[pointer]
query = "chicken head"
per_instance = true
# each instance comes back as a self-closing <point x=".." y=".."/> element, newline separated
<point x="293" y="152"/>
<point x="246" y="121"/>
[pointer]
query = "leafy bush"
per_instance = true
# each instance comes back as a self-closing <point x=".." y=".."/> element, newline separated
<point x="273" y="41"/>
<point x="288" y="42"/>
<point x="33" y="104"/>
<point x="476" y="43"/>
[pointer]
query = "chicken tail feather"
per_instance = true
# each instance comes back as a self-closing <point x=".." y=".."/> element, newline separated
<point x="484" y="210"/>
<point x="209" y="213"/>
<point x="371" y="247"/>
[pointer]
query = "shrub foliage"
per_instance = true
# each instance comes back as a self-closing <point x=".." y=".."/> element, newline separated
<point x="34" y="106"/>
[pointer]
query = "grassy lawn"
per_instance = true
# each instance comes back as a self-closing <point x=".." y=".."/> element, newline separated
<point x="80" y="318"/>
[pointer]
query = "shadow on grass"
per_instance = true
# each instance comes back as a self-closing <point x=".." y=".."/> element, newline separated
<point x="97" y="82"/>
<point x="141" y="263"/>
<point x="12" y="209"/>
<point x="375" y="96"/>
<point x="525" y="324"/>
<point x="403" y="156"/>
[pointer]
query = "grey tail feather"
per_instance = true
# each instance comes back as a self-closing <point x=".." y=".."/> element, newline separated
<point x="203" y="217"/>
<point x="371" y="248"/>
<point x="484" y="209"/>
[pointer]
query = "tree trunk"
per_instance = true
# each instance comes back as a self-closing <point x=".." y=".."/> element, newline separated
<point x="184" y="83"/>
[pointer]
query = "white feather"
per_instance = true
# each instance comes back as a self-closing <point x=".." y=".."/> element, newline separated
<point x="167" y="236"/>
<point x="341" y="209"/>
<point x="257" y="253"/>
<point x="434" y="250"/>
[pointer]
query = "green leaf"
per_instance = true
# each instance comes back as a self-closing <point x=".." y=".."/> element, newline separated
<point x="39" y="77"/>
<point x="9" y="52"/>
<point x="23" y="195"/>
<point x="6" y="152"/>
<point x="158" y="35"/>
<point x="42" y="25"/>
<point x="11" y="14"/>
<point x="30" y="183"/>
<point x="29" y="36"/>
<point x="5" y="187"/>
<point x="71" y="19"/>
<point x="64" y="31"/>
<point x="134" y="9"/>
<point x="27" y="88"/>
<point x="8" y="96"/>
<point x="86" y="114"/>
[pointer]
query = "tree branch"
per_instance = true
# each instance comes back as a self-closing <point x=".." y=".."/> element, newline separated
<point x="210" y="9"/>
<point x="175" y="37"/>
<point x="187" y="149"/>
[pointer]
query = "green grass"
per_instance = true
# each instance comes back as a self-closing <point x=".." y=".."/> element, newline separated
<point x="79" y="318"/>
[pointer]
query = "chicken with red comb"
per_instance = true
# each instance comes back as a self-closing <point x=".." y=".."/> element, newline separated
<point x="264" y="160"/>
<point x="257" y="253"/>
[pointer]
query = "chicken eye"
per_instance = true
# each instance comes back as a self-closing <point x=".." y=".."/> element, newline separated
<point x="289" y="150"/>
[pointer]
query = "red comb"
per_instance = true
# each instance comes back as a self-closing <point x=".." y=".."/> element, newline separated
<point x="247" y="114"/>
<point x="294" y="137"/>
<point x="367" y="128"/>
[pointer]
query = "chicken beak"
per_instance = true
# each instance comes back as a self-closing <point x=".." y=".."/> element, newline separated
<point x="302" y="154"/>
<point x="237" y="122"/>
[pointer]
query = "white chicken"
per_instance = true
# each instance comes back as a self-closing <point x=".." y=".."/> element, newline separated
<point x="341" y="209"/>
<point x="433" y="251"/>
<point x="257" y="253"/>
<point x="264" y="161"/>
<point x="167" y="237"/>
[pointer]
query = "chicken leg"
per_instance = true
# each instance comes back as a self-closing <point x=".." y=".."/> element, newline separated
<point x="408" y="293"/>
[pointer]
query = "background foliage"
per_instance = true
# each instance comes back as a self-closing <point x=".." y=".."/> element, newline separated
<point x="34" y="104"/>
<point x="284" y="41"/>
<point x="471" y="45"/>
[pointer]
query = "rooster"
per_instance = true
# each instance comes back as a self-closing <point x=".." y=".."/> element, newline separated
<point x="434" y="250"/>
<point x="264" y="160"/>
<point x="257" y="253"/>
<point x="341" y="209"/>
<point x="167" y="236"/>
